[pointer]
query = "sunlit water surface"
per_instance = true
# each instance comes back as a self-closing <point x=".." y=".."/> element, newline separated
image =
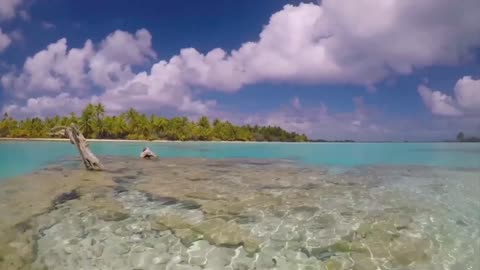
<point x="241" y="206"/>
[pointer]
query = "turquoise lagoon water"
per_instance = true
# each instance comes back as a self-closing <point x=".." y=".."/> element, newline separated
<point x="17" y="158"/>
<point x="386" y="206"/>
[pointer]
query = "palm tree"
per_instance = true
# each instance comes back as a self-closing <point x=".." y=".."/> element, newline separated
<point x="73" y="119"/>
<point x="99" y="115"/>
<point x="87" y="120"/>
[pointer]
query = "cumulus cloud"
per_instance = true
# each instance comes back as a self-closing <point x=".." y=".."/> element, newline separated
<point x="5" y="41"/>
<point x="111" y="64"/>
<point x="54" y="70"/>
<point x="334" y="42"/>
<point x="58" y="68"/>
<point x="338" y="41"/>
<point x="60" y="72"/>
<point x="47" y="106"/>
<point x="466" y="99"/>
<point x="8" y="8"/>
<point x="467" y="94"/>
<point x="161" y="88"/>
<point x="438" y="103"/>
<point x="341" y="41"/>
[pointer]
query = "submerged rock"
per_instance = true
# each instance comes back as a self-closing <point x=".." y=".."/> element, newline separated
<point x="407" y="250"/>
<point x="307" y="209"/>
<point x="332" y="265"/>
<point x="461" y="222"/>
<point x="108" y="214"/>
<point x="189" y="204"/>
<point x="363" y="262"/>
<point x="162" y="199"/>
<point x="220" y="233"/>
<point x="121" y="248"/>
<point x="233" y="224"/>
<point x="216" y="231"/>
<point x="108" y="209"/>
<point x="382" y="239"/>
<point x="245" y="219"/>
<point x="187" y="236"/>
<point x="98" y="250"/>
<point x="142" y="260"/>
<point x="67" y="196"/>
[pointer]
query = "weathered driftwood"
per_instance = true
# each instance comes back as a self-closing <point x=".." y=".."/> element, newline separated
<point x="90" y="161"/>
<point x="147" y="154"/>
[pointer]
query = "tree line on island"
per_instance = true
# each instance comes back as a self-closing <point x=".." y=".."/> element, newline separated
<point x="462" y="138"/>
<point x="133" y="125"/>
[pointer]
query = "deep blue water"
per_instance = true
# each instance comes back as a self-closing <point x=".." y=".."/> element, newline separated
<point x="17" y="157"/>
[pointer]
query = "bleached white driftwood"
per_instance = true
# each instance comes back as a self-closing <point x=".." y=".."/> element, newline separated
<point x="90" y="161"/>
<point x="147" y="154"/>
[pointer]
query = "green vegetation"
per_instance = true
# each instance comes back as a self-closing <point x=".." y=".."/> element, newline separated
<point x="336" y="141"/>
<point x="462" y="138"/>
<point x="132" y="125"/>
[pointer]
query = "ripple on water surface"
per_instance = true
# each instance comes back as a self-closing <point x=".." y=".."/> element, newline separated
<point x="239" y="214"/>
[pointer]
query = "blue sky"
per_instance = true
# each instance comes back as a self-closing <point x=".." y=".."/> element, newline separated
<point x="365" y="70"/>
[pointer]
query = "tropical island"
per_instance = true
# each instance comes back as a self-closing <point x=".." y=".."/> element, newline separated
<point x="94" y="123"/>
<point x="462" y="138"/>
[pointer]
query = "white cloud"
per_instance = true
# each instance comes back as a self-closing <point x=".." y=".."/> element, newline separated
<point x="58" y="70"/>
<point x="335" y="42"/>
<point x="467" y="94"/>
<point x="5" y="41"/>
<point x="54" y="70"/>
<point x="166" y="86"/>
<point x="111" y="65"/>
<point x="161" y="88"/>
<point x="8" y="8"/>
<point x="438" y="103"/>
<point x="340" y="41"/>
<point x="125" y="48"/>
<point x="466" y="99"/>
<point x="47" y="106"/>
<point x="48" y="25"/>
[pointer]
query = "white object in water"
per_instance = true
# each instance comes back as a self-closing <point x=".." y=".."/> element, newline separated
<point x="147" y="153"/>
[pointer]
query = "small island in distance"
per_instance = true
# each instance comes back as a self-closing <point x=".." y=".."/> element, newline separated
<point x="462" y="138"/>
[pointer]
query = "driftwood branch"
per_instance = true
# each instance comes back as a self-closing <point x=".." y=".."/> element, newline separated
<point x="147" y="154"/>
<point x="90" y="161"/>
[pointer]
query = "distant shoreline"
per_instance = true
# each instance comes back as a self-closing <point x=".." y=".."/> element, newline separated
<point x="178" y="141"/>
<point x="134" y="141"/>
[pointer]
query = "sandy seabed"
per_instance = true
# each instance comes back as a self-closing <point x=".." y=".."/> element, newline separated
<point x="239" y="214"/>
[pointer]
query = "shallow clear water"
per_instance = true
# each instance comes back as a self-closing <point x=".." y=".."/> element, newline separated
<point x="17" y="158"/>
<point x="248" y="206"/>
